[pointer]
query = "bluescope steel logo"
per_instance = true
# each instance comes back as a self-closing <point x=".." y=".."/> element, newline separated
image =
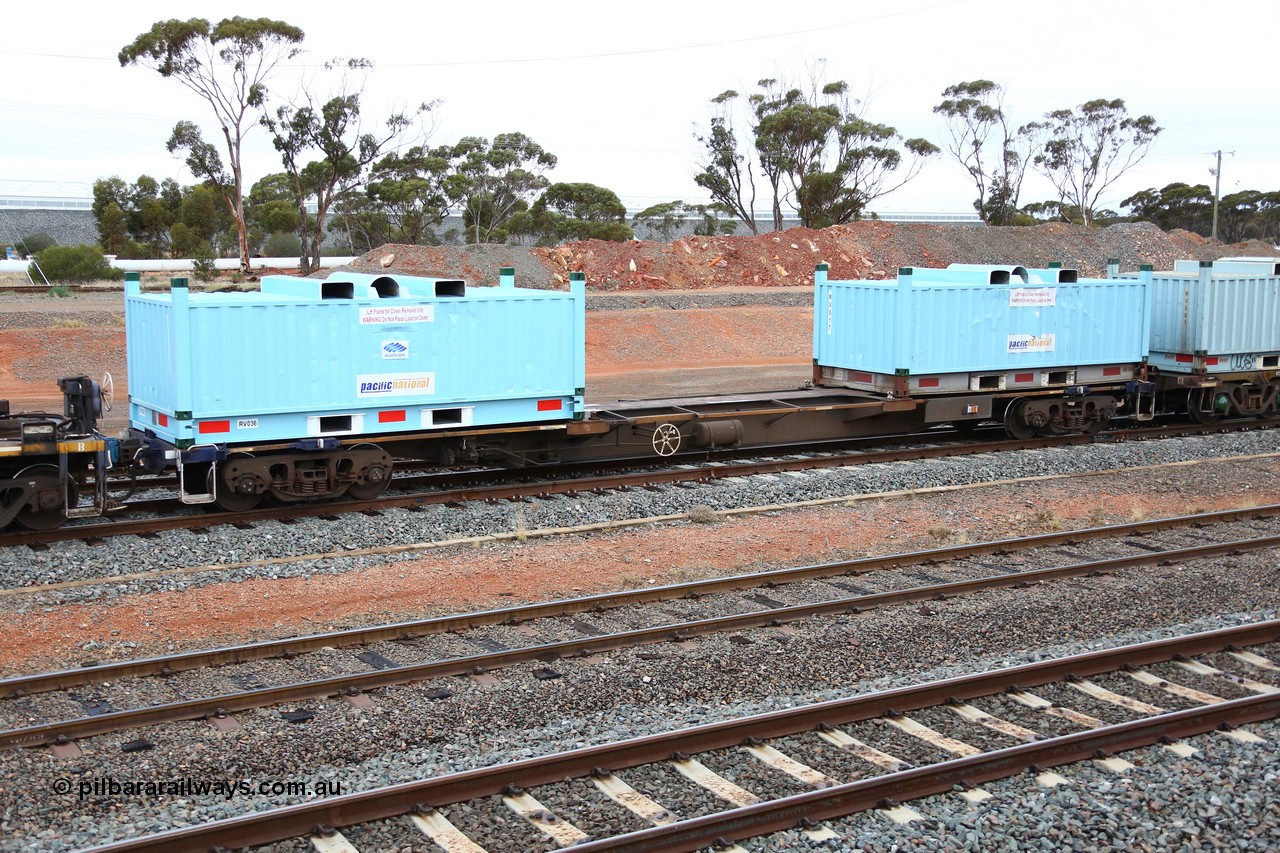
<point x="395" y="350"/>
<point x="394" y="384"/>
<point x="1030" y="343"/>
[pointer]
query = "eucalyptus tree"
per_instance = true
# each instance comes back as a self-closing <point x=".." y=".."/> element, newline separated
<point x="493" y="181"/>
<point x="334" y="131"/>
<point x="1083" y="151"/>
<point x="989" y="148"/>
<point x="575" y="211"/>
<point x="815" y="150"/>
<point x="228" y="65"/>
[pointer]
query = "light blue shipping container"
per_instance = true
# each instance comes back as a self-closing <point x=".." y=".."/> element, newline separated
<point x="1217" y="316"/>
<point x="952" y="322"/>
<point x="352" y="355"/>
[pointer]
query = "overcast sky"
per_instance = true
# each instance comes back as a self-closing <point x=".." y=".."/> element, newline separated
<point x="616" y="90"/>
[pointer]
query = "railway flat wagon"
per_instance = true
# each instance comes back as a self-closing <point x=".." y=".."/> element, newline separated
<point x="1215" y="336"/>
<point x="1043" y="349"/>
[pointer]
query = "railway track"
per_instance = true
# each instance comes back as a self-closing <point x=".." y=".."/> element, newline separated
<point x="795" y="768"/>
<point x="752" y="602"/>
<point x="496" y="485"/>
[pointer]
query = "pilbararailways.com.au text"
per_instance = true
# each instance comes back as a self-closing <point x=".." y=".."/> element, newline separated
<point x="137" y="788"/>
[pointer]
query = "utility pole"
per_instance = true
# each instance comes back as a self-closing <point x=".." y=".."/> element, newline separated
<point x="1217" y="183"/>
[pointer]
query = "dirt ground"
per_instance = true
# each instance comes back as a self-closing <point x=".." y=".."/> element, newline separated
<point x="497" y="575"/>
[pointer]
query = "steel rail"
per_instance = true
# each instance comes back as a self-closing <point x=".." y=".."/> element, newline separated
<point x="614" y="481"/>
<point x="168" y="664"/>
<point x="351" y="684"/>
<point x="840" y="800"/>
<point x="392" y="801"/>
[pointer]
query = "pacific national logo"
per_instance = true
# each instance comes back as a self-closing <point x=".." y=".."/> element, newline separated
<point x="395" y="384"/>
<point x="395" y="350"/>
<point x="1030" y="343"/>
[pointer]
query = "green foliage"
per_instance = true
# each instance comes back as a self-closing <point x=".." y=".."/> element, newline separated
<point x="1085" y="150"/>
<point x="408" y="192"/>
<point x="576" y="211"/>
<point x="71" y="264"/>
<point x="282" y="244"/>
<point x="202" y="265"/>
<point x="711" y="224"/>
<point x="113" y="234"/>
<point x="59" y="291"/>
<point x="726" y="172"/>
<point x="35" y="243"/>
<point x="1242" y="215"/>
<point x="667" y="219"/>
<point x="271" y="209"/>
<point x="132" y="250"/>
<point x="129" y="215"/>
<point x="491" y="182"/>
<point x="1178" y="205"/>
<point x="662" y="220"/>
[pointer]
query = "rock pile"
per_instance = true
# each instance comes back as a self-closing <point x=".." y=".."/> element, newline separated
<point x="861" y="250"/>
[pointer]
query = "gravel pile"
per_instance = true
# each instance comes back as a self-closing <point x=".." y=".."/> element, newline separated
<point x="869" y="249"/>
<point x="223" y="545"/>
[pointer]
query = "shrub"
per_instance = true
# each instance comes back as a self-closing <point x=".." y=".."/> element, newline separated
<point x="33" y="244"/>
<point x="282" y="245"/>
<point x="72" y="263"/>
<point x="202" y="263"/>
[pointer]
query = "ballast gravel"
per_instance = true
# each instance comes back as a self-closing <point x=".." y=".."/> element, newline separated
<point x="234" y="555"/>
<point x="410" y="734"/>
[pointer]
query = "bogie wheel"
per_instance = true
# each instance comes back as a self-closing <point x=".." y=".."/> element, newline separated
<point x="377" y="478"/>
<point x="1096" y="426"/>
<point x="1272" y="411"/>
<point x="52" y="500"/>
<point x="1013" y="424"/>
<point x="225" y="495"/>
<point x="1196" y="399"/>
<point x="666" y="440"/>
